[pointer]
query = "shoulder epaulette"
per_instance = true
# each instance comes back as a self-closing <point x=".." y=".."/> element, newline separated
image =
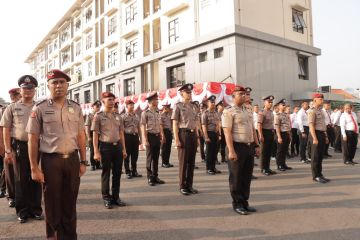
<point x="72" y="101"/>
<point x="40" y="102"/>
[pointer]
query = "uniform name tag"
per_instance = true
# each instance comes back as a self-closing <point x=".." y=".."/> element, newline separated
<point x="17" y="109"/>
<point x="49" y="112"/>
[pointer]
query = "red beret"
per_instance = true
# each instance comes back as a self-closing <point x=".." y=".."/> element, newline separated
<point x="152" y="96"/>
<point x="14" y="91"/>
<point x="127" y="102"/>
<point x="239" y="88"/>
<point x="318" y="95"/>
<point x="56" y="73"/>
<point x="107" y="95"/>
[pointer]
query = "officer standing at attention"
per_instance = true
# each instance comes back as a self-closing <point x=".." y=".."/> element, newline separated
<point x="318" y="138"/>
<point x="302" y="120"/>
<point x="266" y="135"/>
<point x="167" y="128"/>
<point x="131" y="130"/>
<point x="240" y="138"/>
<point x="2" y="153"/>
<point x="109" y="148"/>
<point x="211" y="128"/>
<point x="221" y="143"/>
<point x="283" y="131"/>
<point x="152" y="136"/>
<point x="89" y="134"/>
<point x="56" y="129"/>
<point x="186" y="136"/>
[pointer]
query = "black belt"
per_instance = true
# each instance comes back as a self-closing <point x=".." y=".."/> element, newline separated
<point x="320" y="131"/>
<point x="131" y="134"/>
<point x="110" y="143"/>
<point x="187" y="130"/>
<point x="154" y="134"/>
<point x="20" y="142"/>
<point x="264" y="129"/>
<point x="244" y="144"/>
<point x="61" y="155"/>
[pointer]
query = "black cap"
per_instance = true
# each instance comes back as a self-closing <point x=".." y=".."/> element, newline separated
<point x="220" y="103"/>
<point x="152" y="96"/>
<point x="27" y="81"/>
<point x="186" y="87"/>
<point x="269" y="98"/>
<point x="282" y="101"/>
<point x="248" y="89"/>
<point x="97" y="103"/>
<point x="212" y="98"/>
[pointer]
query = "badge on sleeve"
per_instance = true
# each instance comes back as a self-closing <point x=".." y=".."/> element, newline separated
<point x="71" y="110"/>
<point x="33" y="114"/>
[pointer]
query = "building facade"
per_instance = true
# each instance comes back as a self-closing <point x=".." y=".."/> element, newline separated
<point x="134" y="46"/>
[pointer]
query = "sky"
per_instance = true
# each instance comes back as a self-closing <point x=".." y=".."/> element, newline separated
<point x="336" y="32"/>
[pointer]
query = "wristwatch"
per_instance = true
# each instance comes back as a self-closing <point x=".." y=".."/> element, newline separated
<point x="84" y="162"/>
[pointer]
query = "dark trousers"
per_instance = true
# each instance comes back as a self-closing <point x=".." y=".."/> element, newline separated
<point x="337" y="141"/>
<point x="2" y="175"/>
<point x="202" y="147"/>
<point x="266" y="148"/>
<point x="274" y="147"/>
<point x="186" y="155"/>
<point x="331" y="136"/>
<point x="240" y="172"/>
<point x="10" y="180"/>
<point x="111" y="159"/>
<point x="222" y="146"/>
<point x="211" y="151"/>
<point x="28" y="192"/>
<point x="303" y="142"/>
<point x="132" y="151"/>
<point x="93" y="162"/>
<point x="317" y="154"/>
<point x="166" y="147"/>
<point x="282" y="149"/>
<point x="295" y="141"/>
<point x="349" y="147"/>
<point x="60" y="190"/>
<point x="152" y="155"/>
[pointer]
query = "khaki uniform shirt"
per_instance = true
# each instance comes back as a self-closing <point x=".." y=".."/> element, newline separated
<point x="89" y="119"/>
<point x="210" y="119"/>
<point x="186" y="115"/>
<point x="16" y="117"/>
<point x="239" y="120"/>
<point x="108" y="126"/>
<point x="58" y="127"/>
<point x="131" y="123"/>
<point x="316" y="116"/>
<point x="283" y="121"/>
<point x="151" y="119"/>
<point x="266" y="119"/>
<point x="166" y="120"/>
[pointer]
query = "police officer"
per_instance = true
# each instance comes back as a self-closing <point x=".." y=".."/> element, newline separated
<point x="14" y="121"/>
<point x="211" y="129"/>
<point x="318" y="137"/>
<point x="152" y="136"/>
<point x="240" y="138"/>
<point x="131" y="131"/>
<point x="167" y="128"/>
<point x="185" y="129"/>
<point x="266" y="135"/>
<point x="200" y="108"/>
<point x="221" y="143"/>
<point x="302" y="120"/>
<point x="89" y="134"/>
<point x="2" y="153"/>
<point x="329" y="127"/>
<point x="109" y="148"/>
<point x="56" y="129"/>
<point x="283" y="137"/>
<point x="14" y="94"/>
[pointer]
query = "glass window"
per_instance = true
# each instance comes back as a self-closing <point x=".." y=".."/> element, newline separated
<point x="176" y="76"/>
<point x="130" y="13"/>
<point x="131" y="49"/>
<point x="173" y="30"/>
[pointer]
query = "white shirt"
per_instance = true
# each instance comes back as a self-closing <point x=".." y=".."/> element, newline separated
<point x="337" y="118"/>
<point x="293" y="120"/>
<point x="346" y="123"/>
<point x="327" y="114"/>
<point x="332" y="117"/>
<point x="255" y="119"/>
<point x="302" y="119"/>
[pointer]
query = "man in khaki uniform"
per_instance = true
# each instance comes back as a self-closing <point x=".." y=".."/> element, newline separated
<point x="109" y="148"/>
<point x="14" y="121"/>
<point x="2" y="153"/>
<point x="221" y="144"/>
<point x="241" y="139"/>
<point x="56" y="130"/>
<point x="317" y="137"/>
<point x="89" y="134"/>
<point x="152" y="136"/>
<point x="167" y="128"/>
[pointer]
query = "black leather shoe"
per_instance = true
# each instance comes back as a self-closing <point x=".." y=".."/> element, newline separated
<point x="118" y="202"/>
<point x="241" y="210"/>
<point x="250" y="209"/>
<point x="37" y="217"/>
<point x="354" y="162"/>
<point x="196" y="167"/>
<point x="129" y="176"/>
<point x="158" y="181"/>
<point x="136" y="174"/>
<point x="192" y="190"/>
<point x="2" y="194"/>
<point x="93" y="168"/>
<point x="271" y="172"/>
<point x="328" y="155"/>
<point x="287" y="167"/>
<point x="217" y="171"/>
<point x="11" y="203"/>
<point x="266" y="172"/>
<point x="184" y="191"/>
<point x="253" y="177"/>
<point x="348" y="163"/>
<point x="164" y="165"/>
<point x="281" y="168"/>
<point x="326" y="179"/>
<point x="170" y="165"/>
<point x="151" y="182"/>
<point x="218" y="163"/>
<point x="108" y="204"/>
<point x="320" y="180"/>
<point x="22" y="219"/>
<point x="210" y="172"/>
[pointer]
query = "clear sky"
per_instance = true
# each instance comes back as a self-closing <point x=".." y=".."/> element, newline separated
<point x="25" y="23"/>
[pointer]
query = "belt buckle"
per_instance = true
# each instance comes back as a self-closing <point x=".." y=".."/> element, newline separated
<point x="65" y="156"/>
<point x="115" y="143"/>
<point x="191" y="130"/>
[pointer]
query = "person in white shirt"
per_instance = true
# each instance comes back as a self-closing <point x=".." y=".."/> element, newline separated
<point x="295" y="141"/>
<point x="349" y="132"/>
<point x="255" y="115"/>
<point x="274" y="146"/>
<point x="302" y="121"/>
<point x="329" y="127"/>
<point x="337" y="130"/>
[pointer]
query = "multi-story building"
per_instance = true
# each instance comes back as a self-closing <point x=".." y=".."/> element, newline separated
<point x="133" y="46"/>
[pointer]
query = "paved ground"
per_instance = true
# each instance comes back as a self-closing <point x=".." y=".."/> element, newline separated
<point x="290" y="206"/>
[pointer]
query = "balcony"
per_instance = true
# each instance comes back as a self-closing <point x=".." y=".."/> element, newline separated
<point x="111" y="7"/>
<point x="172" y="7"/>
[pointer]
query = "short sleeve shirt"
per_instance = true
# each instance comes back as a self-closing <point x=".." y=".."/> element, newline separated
<point x="131" y="123"/>
<point x="283" y="121"/>
<point x="266" y="119"/>
<point x="108" y="126"/>
<point x="186" y="115"/>
<point x="317" y="117"/>
<point x="151" y="119"/>
<point x="210" y="119"/>
<point x="166" y="120"/>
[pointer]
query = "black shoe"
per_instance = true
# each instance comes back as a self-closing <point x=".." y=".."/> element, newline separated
<point x="184" y="191"/>
<point x="218" y="163"/>
<point x="320" y="180"/>
<point x="158" y="181"/>
<point x="99" y="167"/>
<point x="326" y="179"/>
<point x="136" y="174"/>
<point x="217" y="171"/>
<point x="170" y="165"/>
<point x="353" y="162"/>
<point x="253" y="177"/>
<point x="271" y="172"/>
<point x="265" y="172"/>
<point x="129" y="176"/>
<point x="348" y="163"/>
<point x="255" y="164"/>
<point x="303" y="160"/>
<point x="250" y="209"/>
<point x="151" y="182"/>
<point x="241" y="210"/>
<point x="328" y="155"/>
<point x="203" y="160"/>
<point x="287" y="167"/>
<point x="2" y="194"/>
<point x="210" y="172"/>
<point x="338" y="151"/>
<point x="37" y="217"/>
<point x="164" y="165"/>
<point x="193" y="190"/>
<point x="108" y="204"/>
<point x="22" y="219"/>
<point x="281" y="168"/>
<point x="93" y="168"/>
<point x="11" y="203"/>
<point x="196" y="167"/>
<point x="223" y="160"/>
<point x="118" y="202"/>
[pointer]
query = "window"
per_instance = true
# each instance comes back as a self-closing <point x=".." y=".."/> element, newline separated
<point x="112" y="26"/>
<point x="77" y="97"/>
<point x="50" y="48"/>
<point x="303" y="67"/>
<point x="88" y="41"/>
<point x="157" y="5"/>
<point x="110" y="88"/>
<point x="55" y="44"/>
<point x="176" y="76"/>
<point x="65" y="57"/>
<point x="112" y="57"/>
<point x="131" y="13"/>
<point x="87" y="96"/>
<point x="218" y="52"/>
<point x="129" y="87"/>
<point x="65" y="35"/>
<point x="298" y="21"/>
<point x="131" y="49"/>
<point x="89" y="65"/>
<point x="203" y="57"/>
<point x="77" y="24"/>
<point x="78" y="48"/>
<point x="88" y="14"/>
<point x="174" y="30"/>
